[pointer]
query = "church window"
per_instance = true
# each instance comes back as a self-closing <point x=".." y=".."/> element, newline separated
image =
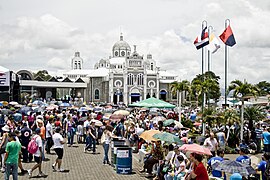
<point x="140" y="79"/>
<point x="96" y="94"/>
<point x="128" y="53"/>
<point x="152" y="66"/>
<point x="123" y="53"/>
<point x="75" y="67"/>
<point x="116" y="53"/>
<point x="130" y="79"/>
<point x="79" y="65"/>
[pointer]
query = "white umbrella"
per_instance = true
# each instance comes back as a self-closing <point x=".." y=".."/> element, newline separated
<point x="13" y="103"/>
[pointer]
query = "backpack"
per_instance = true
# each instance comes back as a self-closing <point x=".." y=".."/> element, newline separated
<point x="32" y="146"/>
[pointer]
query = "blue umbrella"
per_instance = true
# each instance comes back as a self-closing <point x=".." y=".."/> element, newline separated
<point x="25" y="109"/>
<point x="38" y="102"/>
<point x="83" y="109"/>
<point x="65" y="104"/>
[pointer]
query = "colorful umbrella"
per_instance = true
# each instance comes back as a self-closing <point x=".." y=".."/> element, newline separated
<point x="231" y="167"/>
<point x="168" y="137"/>
<point x="148" y="135"/>
<point x="122" y="112"/>
<point x="116" y="117"/>
<point x="196" y="149"/>
<point x="168" y="122"/>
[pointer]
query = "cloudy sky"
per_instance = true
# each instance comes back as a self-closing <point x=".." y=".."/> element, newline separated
<point x="38" y="34"/>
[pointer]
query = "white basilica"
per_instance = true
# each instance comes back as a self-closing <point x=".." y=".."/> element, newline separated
<point x="126" y="76"/>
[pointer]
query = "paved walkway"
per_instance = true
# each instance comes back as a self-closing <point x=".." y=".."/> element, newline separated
<point x="81" y="166"/>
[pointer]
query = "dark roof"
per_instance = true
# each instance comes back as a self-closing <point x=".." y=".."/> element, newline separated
<point x="53" y="79"/>
<point x="79" y="80"/>
<point x="66" y="80"/>
<point x="39" y="78"/>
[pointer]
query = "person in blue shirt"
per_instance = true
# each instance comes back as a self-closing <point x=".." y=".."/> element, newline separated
<point x="266" y="139"/>
<point x="262" y="165"/>
<point x="243" y="158"/>
<point x="217" y="159"/>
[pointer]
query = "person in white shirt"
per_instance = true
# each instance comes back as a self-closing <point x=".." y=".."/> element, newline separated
<point x="49" y="132"/>
<point x="37" y="155"/>
<point x="212" y="144"/>
<point x="58" y="141"/>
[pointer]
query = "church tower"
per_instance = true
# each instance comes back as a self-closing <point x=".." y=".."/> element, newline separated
<point x="77" y="61"/>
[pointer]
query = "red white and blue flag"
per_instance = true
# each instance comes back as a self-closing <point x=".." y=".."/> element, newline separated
<point x="202" y="40"/>
<point x="227" y="37"/>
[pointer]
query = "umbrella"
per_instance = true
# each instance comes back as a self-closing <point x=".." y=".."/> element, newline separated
<point x="148" y="135"/>
<point x="159" y="118"/>
<point x="6" y="111"/>
<point x="97" y="122"/>
<point x="168" y="122"/>
<point x="37" y="102"/>
<point x="13" y="103"/>
<point x="122" y="112"/>
<point x="153" y="103"/>
<point x="83" y="109"/>
<point x="52" y="107"/>
<point x="231" y="167"/>
<point x="178" y="124"/>
<point x="1" y="104"/>
<point x="65" y="104"/>
<point x="168" y="137"/>
<point x="26" y="109"/>
<point x="116" y="117"/>
<point x="196" y="149"/>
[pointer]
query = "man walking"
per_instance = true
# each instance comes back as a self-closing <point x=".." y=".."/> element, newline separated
<point x="12" y="156"/>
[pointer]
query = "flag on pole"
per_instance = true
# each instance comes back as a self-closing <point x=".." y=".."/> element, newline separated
<point x="227" y="37"/>
<point x="202" y="40"/>
<point x="214" y="44"/>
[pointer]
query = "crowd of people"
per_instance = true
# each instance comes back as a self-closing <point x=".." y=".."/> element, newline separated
<point x="34" y="134"/>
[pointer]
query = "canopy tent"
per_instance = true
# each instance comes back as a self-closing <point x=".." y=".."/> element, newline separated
<point x="153" y="103"/>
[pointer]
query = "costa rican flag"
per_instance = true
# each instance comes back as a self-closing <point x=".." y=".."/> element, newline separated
<point x="202" y="40"/>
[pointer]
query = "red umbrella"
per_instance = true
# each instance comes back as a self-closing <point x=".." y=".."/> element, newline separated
<point x="116" y="117"/>
<point x="196" y="149"/>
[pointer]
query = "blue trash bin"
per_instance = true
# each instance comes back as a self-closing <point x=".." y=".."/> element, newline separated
<point x="124" y="160"/>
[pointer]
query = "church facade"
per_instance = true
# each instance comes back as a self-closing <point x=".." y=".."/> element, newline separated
<point x="125" y="77"/>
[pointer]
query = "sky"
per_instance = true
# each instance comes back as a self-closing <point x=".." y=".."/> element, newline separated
<point x="38" y="34"/>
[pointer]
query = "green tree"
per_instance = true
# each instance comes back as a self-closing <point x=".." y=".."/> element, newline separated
<point x="264" y="87"/>
<point x="43" y="74"/>
<point x="177" y="88"/>
<point x="242" y="90"/>
<point x="254" y="114"/>
<point x="208" y="84"/>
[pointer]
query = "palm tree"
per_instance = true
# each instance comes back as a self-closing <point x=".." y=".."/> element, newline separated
<point x="254" y="113"/>
<point x="242" y="90"/>
<point x="177" y="88"/>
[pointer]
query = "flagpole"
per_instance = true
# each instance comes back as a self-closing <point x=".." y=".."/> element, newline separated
<point x="210" y="29"/>
<point x="204" y="24"/>
<point x="227" y="23"/>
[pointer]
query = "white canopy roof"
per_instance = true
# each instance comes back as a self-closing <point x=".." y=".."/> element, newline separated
<point x="3" y="69"/>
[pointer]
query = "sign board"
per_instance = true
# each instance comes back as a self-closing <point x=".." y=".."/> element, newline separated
<point x="4" y="78"/>
<point x="122" y="153"/>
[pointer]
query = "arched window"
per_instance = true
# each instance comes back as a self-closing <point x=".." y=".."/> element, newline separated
<point x="96" y="94"/>
<point x="130" y="79"/>
<point x="79" y="65"/>
<point x="140" y="79"/>
<point x="116" y="53"/>
<point x="152" y="66"/>
<point x="123" y="53"/>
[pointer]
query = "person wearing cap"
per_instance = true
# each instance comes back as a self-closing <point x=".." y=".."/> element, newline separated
<point x="26" y="133"/>
<point x="37" y="155"/>
<point x="58" y="142"/>
<point x="236" y="176"/>
<point x="3" y="144"/>
<point x="11" y="159"/>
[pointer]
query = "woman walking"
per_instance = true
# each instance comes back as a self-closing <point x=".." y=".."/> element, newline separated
<point x="105" y="140"/>
<point x="70" y="130"/>
<point x="58" y="141"/>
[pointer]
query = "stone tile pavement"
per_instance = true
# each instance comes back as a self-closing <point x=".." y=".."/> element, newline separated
<point x="82" y="166"/>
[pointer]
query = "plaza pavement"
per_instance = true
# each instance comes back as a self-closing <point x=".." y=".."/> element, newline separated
<point x="87" y="166"/>
<point x="81" y="166"/>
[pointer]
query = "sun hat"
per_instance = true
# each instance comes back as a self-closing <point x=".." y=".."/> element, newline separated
<point x="6" y="128"/>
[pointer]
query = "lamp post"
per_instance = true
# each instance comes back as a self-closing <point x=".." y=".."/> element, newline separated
<point x="242" y="116"/>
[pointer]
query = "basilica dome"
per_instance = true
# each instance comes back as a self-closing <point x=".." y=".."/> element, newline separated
<point x="121" y="48"/>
